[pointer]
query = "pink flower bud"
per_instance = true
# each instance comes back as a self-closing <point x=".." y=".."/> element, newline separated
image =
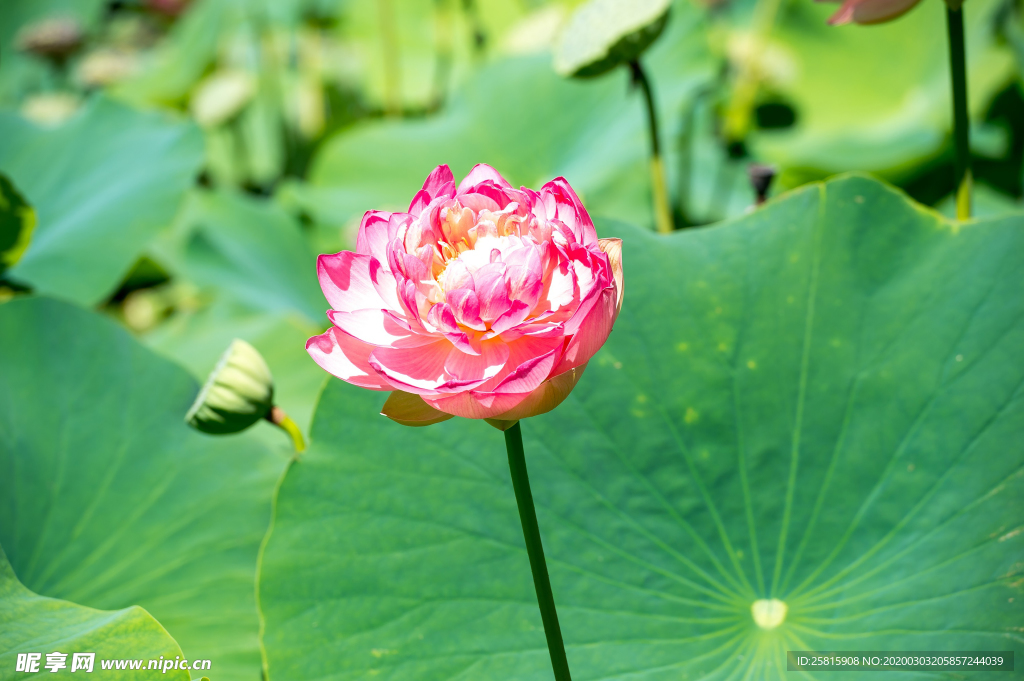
<point x="871" y="11"/>
<point x="169" y="8"/>
<point x="482" y="301"/>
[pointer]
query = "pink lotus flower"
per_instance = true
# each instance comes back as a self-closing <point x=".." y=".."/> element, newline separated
<point x="870" y="11"/>
<point x="482" y="301"/>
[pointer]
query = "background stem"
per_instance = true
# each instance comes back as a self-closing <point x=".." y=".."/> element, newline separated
<point x="528" y="516"/>
<point x="442" y="53"/>
<point x="659" y="188"/>
<point x="961" y="122"/>
<point x="390" y="58"/>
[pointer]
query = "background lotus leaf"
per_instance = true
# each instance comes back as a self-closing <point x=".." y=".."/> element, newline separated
<point x="108" y="498"/>
<point x="817" y="403"/>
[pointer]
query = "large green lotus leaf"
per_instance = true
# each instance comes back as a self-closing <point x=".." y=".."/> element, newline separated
<point x="247" y="250"/>
<point x="108" y="499"/>
<point x="102" y="184"/>
<point x="30" y="623"/>
<point x="520" y="117"/>
<point x="820" y="402"/>
<point x="875" y="97"/>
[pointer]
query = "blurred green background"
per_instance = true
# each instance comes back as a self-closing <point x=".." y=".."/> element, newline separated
<point x="225" y="142"/>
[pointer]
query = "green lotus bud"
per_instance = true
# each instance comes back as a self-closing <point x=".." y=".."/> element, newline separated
<point x="50" y="109"/>
<point x="238" y="393"/>
<point x="106" y="66"/>
<point x="221" y="96"/>
<point x="603" y="34"/>
<point x="17" y="222"/>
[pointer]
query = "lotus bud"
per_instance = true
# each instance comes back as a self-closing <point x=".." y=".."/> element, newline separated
<point x="870" y="11"/>
<point x="51" y="108"/>
<point x="53" y="39"/>
<point x="144" y="308"/>
<point x="221" y="96"/>
<point x="168" y="8"/>
<point x="106" y="67"/>
<point x="238" y="393"/>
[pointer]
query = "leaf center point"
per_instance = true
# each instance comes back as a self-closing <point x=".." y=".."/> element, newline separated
<point x="768" y="613"/>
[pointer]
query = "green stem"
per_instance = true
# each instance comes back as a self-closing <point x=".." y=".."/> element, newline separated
<point x="479" y="35"/>
<point x="961" y="122"/>
<point x="528" y="516"/>
<point x="659" y="190"/>
<point x="640" y="78"/>
<point x="279" y="418"/>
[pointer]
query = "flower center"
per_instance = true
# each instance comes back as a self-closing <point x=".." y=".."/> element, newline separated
<point x="485" y="249"/>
